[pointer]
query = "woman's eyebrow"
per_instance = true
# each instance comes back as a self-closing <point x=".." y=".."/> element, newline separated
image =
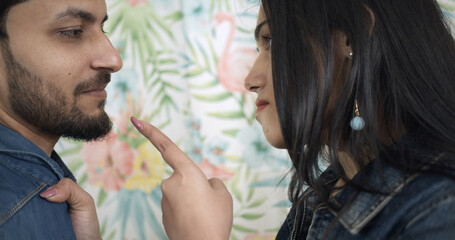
<point x="258" y="29"/>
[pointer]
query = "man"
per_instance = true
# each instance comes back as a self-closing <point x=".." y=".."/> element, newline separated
<point x="55" y="63"/>
<point x="176" y="191"/>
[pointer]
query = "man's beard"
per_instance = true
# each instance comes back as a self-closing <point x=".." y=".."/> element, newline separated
<point x="44" y="106"/>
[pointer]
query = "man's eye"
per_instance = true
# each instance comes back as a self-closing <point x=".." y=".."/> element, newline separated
<point x="72" y="33"/>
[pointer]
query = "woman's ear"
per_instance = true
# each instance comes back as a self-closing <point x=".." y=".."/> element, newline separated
<point x="342" y="44"/>
<point x="372" y="20"/>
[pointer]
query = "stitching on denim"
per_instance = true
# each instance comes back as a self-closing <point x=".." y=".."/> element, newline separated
<point x="316" y="228"/>
<point x="448" y="196"/>
<point x="394" y="188"/>
<point x="381" y="202"/>
<point x="28" y="155"/>
<point x="19" y="170"/>
<point x="21" y="203"/>
<point x="377" y="206"/>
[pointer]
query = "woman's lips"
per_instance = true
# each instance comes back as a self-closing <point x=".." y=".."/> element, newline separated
<point x="261" y="104"/>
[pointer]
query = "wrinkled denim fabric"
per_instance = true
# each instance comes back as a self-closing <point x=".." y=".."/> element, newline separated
<point x="25" y="172"/>
<point x="416" y="206"/>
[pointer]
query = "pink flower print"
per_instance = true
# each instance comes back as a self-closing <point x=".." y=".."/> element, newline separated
<point x="212" y="171"/>
<point x="135" y="3"/>
<point x="109" y="163"/>
<point x="132" y="109"/>
<point x="257" y="236"/>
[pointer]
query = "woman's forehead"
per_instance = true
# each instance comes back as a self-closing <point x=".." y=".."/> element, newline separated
<point x="261" y="15"/>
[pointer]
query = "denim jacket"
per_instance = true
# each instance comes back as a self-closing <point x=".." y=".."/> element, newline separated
<point x="25" y="172"/>
<point x="419" y="206"/>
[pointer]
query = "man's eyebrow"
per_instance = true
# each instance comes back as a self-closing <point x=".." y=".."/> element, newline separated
<point x="73" y="12"/>
<point x="258" y="29"/>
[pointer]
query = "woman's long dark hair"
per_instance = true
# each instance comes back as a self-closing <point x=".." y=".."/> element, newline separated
<point x="402" y="75"/>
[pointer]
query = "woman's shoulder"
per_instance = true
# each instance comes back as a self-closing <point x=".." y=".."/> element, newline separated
<point x="425" y="208"/>
<point x="432" y="187"/>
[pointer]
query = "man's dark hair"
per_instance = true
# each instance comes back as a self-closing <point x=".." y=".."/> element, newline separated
<point x="5" y="6"/>
<point x="402" y="75"/>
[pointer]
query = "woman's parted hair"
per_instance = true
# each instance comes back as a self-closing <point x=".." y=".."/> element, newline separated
<point x="402" y="76"/>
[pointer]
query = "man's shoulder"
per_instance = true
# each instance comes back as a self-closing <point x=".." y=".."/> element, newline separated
<point x="17" y="188"/>
<point x="27" y="166"/>
<point x="23" y="212"/>
<point x="25" y="215"/>
<point x="20" y="183"/>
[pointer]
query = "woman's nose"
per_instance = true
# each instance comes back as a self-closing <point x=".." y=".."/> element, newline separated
<point x="256" y="78"/>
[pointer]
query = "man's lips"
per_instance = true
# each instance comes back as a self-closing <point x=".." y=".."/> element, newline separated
<point x="261" y="104"/>
<point x="99" y="92"/>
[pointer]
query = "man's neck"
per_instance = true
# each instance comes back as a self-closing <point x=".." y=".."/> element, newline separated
<point x="44" y="141"/>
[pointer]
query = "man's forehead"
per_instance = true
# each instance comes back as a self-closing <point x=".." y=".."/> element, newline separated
<point x="58" y="10"/>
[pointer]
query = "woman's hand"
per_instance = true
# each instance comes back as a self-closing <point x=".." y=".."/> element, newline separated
<point x="194" y="208"/>
<point x="81" y="207"/>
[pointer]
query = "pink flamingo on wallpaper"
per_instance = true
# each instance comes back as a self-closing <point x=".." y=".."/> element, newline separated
<point x="233" y="66"/>
<point x="135" y="3"/>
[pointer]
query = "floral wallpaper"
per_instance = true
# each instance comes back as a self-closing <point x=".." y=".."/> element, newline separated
<point x="184" y="66"/>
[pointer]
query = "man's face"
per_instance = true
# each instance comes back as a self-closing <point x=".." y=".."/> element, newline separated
<point x="55" y="66"/>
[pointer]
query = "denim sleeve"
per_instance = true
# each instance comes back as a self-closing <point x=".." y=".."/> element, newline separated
<point x="436" y="220"/>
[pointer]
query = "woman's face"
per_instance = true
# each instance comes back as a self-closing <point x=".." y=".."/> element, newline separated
<point x="260" y="81"/>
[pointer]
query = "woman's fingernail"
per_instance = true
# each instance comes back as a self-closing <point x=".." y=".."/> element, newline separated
<point x="49" y="193"/>
<point x="137" y="123"/>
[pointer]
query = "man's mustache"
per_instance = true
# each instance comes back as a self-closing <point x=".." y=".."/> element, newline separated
<point x="98" y="81"/>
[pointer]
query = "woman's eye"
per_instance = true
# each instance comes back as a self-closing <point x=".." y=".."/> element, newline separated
<point x="268" y="42"/>
<point x="72" y="33"/>
<point x="265" y="43"/>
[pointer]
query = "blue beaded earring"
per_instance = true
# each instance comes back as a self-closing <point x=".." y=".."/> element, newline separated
<point x="357" y="123"/>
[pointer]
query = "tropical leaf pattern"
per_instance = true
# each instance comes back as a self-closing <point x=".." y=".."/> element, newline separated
<point x="184" y="64"/>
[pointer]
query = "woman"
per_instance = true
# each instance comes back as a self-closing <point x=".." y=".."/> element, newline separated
<point x="373" y="81"/>
<point x="366" y="85"/>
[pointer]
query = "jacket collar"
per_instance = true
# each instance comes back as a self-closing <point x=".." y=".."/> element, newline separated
<point x="12" y="143"/>
<point x="385" y="180"/>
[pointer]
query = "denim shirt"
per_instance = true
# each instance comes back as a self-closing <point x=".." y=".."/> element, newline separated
<point x="419" y="206"/>
<point x="25" y="172"/>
